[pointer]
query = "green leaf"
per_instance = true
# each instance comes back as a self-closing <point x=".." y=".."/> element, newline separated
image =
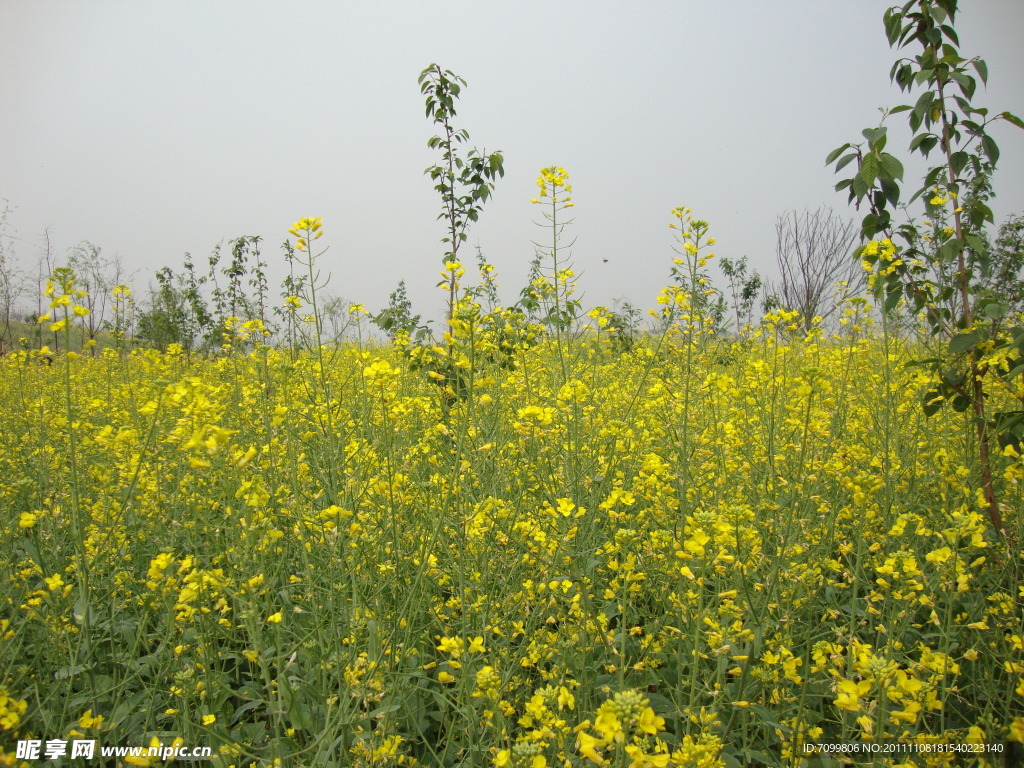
<point x="759" y="758"/>
<point x="32" y="552"/>
<point x="875" y="136"/>
<point x="990" y="148"/>
<point x="975" y="243"/>
<point x="845" y="161"/>
<point x="860" y="187"/>
<point x="1014" y="372"/>
<point x="958" y="161"/>
<point x="836" y="153"/>
<point x="892" y="167"/>
<point x="995" y="310"/>
<point x="924" y="102"/>
<point x="915" y="121"/>
<point x="962" y="342"/>
<point x="931" y="402"/>
<point x="893" y="25"/>
<point x="892" y="193"/>
<point x="891" y="300"/>
<point x="869" y="169"/>
<point x="1011" y="118"/>
<point x="982" y="69"/>
<point x="984" y="211"/>
<point x="966" y="82"/>
<point x="960" y="403"/>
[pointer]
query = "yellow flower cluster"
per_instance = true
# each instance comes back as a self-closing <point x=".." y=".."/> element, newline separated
<point x="304" y="230"/>
<point x="553" y="183"/>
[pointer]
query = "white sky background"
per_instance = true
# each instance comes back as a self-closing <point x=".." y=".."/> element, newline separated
<point x="155" y="128"/>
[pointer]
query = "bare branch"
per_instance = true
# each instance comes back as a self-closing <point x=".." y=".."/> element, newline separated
<point x="814" y="252"/>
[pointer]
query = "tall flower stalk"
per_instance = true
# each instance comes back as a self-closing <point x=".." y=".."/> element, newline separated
<point x="306" y="231"/>
<point x="555" y="197"/>
<point x="64" y="308"/>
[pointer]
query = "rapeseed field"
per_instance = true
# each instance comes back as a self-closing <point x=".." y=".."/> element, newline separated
<point x="512" y="549"/>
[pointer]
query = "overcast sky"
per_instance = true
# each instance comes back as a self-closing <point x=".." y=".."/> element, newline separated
<point x="156" y="128"/>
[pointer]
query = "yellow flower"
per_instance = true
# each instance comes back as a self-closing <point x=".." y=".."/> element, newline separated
<point x="650" y="723"/>
<point x="274" y="618"/>
<point x="908" y="714"/>
<point x="27" y="520"/>
<point x="849" y="694"/>
<point x="608" y="723"/>
<point x="87" y="720"/>
<point x="53" y="583"/>
<point x="209" y="719"/>
<point x="154" y="744"/>
<point x="247" y="457"/>
<point x="588" y="746"/>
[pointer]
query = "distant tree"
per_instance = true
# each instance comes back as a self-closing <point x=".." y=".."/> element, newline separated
<point x="338" y="316"/>
<point x="163" y="320"/>
<point x="744" y="288"/>
<point x="1005" y="274"/>
<point x="45" y="267"/>
<point x="97" y="276"/>
<point x="814" y="250"/>
<point x="398" y="319"/>
<point x="176" y="311"/>
<point x="624" y="325"/>
<point x="199" y="322"/>
<point x="11" y="282"/>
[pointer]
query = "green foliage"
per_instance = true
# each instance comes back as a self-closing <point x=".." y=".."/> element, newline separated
<point x="164" y="321"/>
<point x="693" y="301"/>
<point x="464" y="181"/>
<point x="624" y="326"/>
<point x="292" y="288"/>
<point x="397" y="319"/>
<point x="939" y="274"/>
<point x="1004" y="274"/>
<point x="744" y="288"/>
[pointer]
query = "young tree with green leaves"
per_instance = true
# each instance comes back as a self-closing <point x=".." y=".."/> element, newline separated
<point x="941" y="277"/>
<point x="397" y="320"/>
<point x="744" y="288"/>
<point x="464" y="180"/>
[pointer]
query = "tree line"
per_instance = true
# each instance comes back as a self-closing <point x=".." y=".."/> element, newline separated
<point x="189" y="306"/>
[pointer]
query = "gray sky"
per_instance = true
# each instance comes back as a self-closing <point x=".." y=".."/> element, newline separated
<point x="155" y="128"/>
